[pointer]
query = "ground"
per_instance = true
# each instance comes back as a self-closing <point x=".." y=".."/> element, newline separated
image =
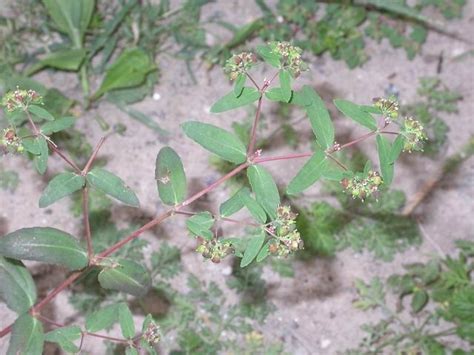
<point x="314" y="310"/>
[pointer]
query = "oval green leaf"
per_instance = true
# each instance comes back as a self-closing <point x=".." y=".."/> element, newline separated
<point x="170" y="177"/>
<point x="355" y="113"/>
<point x="264" y="252"/>
<point x="57" y="125"/>
<point x="65" y="337"/>
<point x="44" y="244"/>
<point x="239" y="84"/>
<point x="319" y="117"/>
<point x="285" y="83"/>
<point x="216" y="140"/>
<point x="253" y="206"/>
<point x="253" y="248"/>
<point x="41" y="159"/>
<point x="17" y="288"/>
<point x="126" y="321"/>
<point x="40" y="112"/>
<point x="127" y="276"/>
<point x="112" y="185"/>
<point x="387" y="167"/>
<point x="265" y="189"/>
<point x="313" y="169"/>
<point x="233" y="205"/>
<point x="27" y="336"/>
<point x="102" y="319"/>
<point x="200" y="225"/>
<point x="268" y="56"/>
<point x="230" y="101"/>
<point x="61" y="186"/>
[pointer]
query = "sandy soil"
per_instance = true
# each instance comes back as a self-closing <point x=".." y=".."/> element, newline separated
<point x="314" y="312"/>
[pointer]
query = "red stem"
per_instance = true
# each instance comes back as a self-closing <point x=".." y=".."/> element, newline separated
<point x="64" y="157"/>
<point x="253" y="81"/>
<point x="253" y="134"/>
<point x="93" y="156"/>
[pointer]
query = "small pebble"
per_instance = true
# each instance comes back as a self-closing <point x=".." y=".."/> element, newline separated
<point x="325" y="343"/>
<point x="227" y="271"/>
<point x="156" y="96"/>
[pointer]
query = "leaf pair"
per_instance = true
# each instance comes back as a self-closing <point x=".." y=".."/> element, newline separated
<point x="67" y="183"/>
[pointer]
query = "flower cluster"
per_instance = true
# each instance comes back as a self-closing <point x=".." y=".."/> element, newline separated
<point x="20" y="99"/>
<point x="414" y="135"/>
<point x="286" y="238"/>
<point x="10" y="142"/>
<point x="389" y="107"/>
<point x="290" y="57"/>
<point x="239" y="64"/>
<point x="362" y="186"/>
<point x="214" y="249"/>
<point x="152" y="333"/>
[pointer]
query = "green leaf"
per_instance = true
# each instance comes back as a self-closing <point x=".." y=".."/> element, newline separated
<point x="232" y="205"/>
<point x="60" y="186"/>
<point x="40" y="112"/>
<point x="357" y="114"/>
<point x="170" y="177"/>
<point x="277" y="94"/>
<point x="200" y="225"/>
<point x="239" y="84"/>
<point x="127" y="276"/>
<point x="31" y="145"/>
<point x="112" y="185"/>
<point x="17" y="288"/>
<point x="253" y="248"/>
<point x="419" y="300"/>
<point x="313" y="170"/>
<point x="131" y="351"/>
<point x="268" y="56"/>
<point x="217" y="140"/>
<point x="253" y="206"/>
<point x="102" y="319"/>
<point x="385" y="156"/>
<point x="265" y="189"/>
<point x="27" y="336"/>
<point x="130" y="69"/>
<point x="67" y="59"/>
<point x="397" y="147"/>
<point x="41" y="160"/>
<point x="229" y="101"/>
<point x="57" y="125"/>
<point x="65" y="337"/>
<point x="264" y="252"/>
<point x="126" y="321"/>
<point x="285" y="83"/>
<point x="44" y="244"/>
<point x="319" y="117"/>
<point x="71" y="17"/>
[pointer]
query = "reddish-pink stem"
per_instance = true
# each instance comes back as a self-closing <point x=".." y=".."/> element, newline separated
<point x="253" y="134"/>
<point x="93" y="156"/>
<point x="230" y="220"/>
<point x="253" y="81"/>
